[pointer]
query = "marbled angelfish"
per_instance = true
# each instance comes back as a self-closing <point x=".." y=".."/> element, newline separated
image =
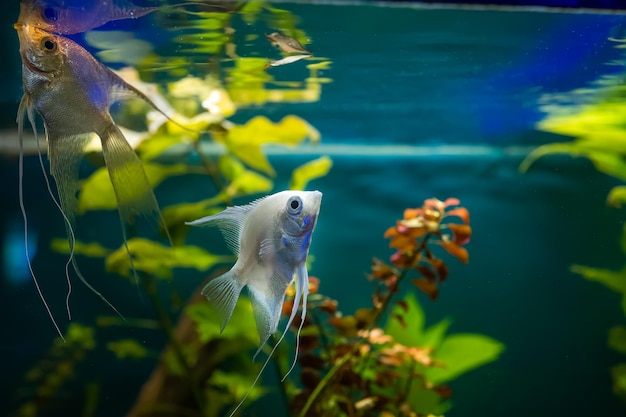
<point x="72" y="92"/>
<point x="271" y="237"/>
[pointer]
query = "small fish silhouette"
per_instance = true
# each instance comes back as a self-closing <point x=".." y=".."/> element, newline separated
<point x="72" y="92"/>
<point x="271" y="237"/>
<point x="286" y="44"/>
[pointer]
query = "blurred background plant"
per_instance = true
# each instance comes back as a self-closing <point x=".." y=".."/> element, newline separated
<point x="594" y="129"/>
<point x="380" y="361"/>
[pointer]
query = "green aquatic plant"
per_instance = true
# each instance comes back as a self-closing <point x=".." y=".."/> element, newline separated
<point x="594" y="129"/>
<point x="42" y="390"/>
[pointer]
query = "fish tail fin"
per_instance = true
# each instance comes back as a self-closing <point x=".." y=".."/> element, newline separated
<point x="25" y="107"/>
<point x="223" y="292"/>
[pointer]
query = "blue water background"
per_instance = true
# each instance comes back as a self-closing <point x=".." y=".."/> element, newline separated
<point x="415" y="77"/>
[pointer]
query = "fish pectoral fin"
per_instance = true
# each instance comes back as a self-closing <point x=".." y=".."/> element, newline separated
<point x="230" y="222"/>
<point x="223" y="292"/>
<point x="132" y="189"/>
<point x="268" y="248"/>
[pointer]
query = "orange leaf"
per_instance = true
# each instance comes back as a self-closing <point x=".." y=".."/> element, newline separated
<point x="461" y="233"/>
<point x="314" y="284"/>
<point x="403" y="243"/>
<point x="413" y="213"/>
<point x="345" y="325"/>
<point x="426" y="272"/>
<point x="434" y="203"/>
<point x="328" y="306"/>
<point x="460" y="212"/>
<point x="429" y="288"/>
<point x="440" y="267"/>
<point x="391" y="232"/>
<point x="451" y="202"/>
<point x="455" y="250"/>
<point x="287" y="307"/>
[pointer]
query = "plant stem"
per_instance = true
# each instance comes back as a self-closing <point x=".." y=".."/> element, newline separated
<point x="210" y="168"/>
<point x="378" y="314"/>
<point x="283" y="390"/>
<point x="325" y="381"/>
<point x="168" y="328"/>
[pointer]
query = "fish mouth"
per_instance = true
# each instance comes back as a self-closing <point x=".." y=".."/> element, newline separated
<point x="21" y="29"/>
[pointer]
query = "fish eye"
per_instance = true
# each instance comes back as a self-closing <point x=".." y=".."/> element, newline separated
<point x="294" y="205"/>
<point x="49" y="44"/>
<point x="50" y="14"/>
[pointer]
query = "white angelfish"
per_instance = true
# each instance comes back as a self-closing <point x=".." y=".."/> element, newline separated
<point x="271" y="237"/>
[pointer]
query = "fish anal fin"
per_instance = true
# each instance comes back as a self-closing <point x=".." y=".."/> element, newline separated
<point x="223" y="292"/>
<point x="267" y="297"/>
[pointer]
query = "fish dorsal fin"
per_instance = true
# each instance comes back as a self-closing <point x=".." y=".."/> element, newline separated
<point x="121" y="90"/>
<point x="302" y="291"/>
<point x="223" y="292"/>
<point x="230" y="222"/>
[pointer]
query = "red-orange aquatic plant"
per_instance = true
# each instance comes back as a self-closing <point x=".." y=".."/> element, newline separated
<point x="349" y="366"/>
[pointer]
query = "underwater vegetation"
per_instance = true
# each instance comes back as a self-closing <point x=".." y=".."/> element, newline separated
<point x="595" y="130"/>
<point x="381" y="360"/>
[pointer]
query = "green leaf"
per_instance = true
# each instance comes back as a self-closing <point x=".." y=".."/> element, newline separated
<point x="434" y="335"/>
<point x="617" y="339"/>
<point x="460" y="353"/>
<point x="241" y="326"/>
<point x="245" y="141"/>
<point x="97" y="191"/>
<point x="414" y="318"/>
<point x="80" y="335"/>
<point x="185" y="212"/>
<point x="127" y="348"/>
<point x="549" y="149"/>
<point x="615" y="280"/>
<point x="424" y="401"/>
<point x="242" y="181"/>
<point x="617" y="196"/>
<point x="92" y="250"/>
<point x="159" y="260"/>
<point x="309" y="171"/>
<point x="606" y="161"/>
<point x="618" y="374"/>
